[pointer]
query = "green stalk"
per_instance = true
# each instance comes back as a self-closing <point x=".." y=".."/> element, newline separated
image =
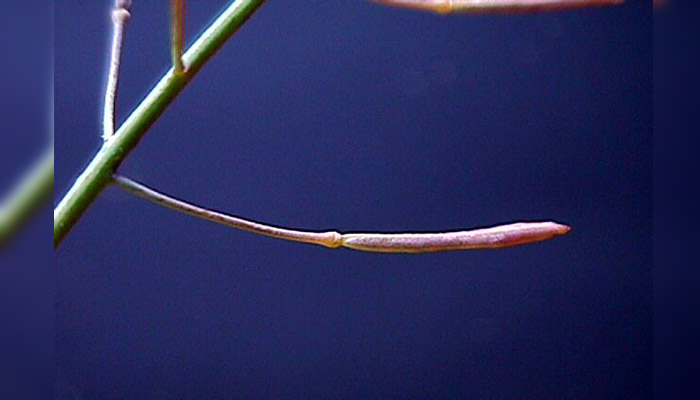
<point x="98" y="173"/>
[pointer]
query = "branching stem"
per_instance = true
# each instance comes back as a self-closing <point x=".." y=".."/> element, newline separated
<point x="489" y="238"/>
<point x="99" y="171"/>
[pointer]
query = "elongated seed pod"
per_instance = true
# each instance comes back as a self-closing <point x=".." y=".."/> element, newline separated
<point x="488" y="238"/>
<point x="496" y="6"/>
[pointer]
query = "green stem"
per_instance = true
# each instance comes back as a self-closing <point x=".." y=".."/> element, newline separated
<point x="99" y="171"/>
<point x="26" y="198"/>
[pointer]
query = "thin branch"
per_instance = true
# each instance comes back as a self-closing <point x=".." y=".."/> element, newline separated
<point x="489" y="238"/>
<point x="177" y="25"/>
<point x="496" y="6"/>
<point x="328" y="239"/>
<point x="24" y="200"/>
<point x="99" y="171"/>
<point x="120" y="17"/>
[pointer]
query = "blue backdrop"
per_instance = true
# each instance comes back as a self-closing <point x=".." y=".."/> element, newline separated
<point x="357" y="117"/>
<point x="26" y="264"/>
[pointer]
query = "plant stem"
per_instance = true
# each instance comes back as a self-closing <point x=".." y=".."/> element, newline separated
<point x="328" y="239"/>
<point x="177" y="17"/>
<point x="99" y="171"/>
<point x="120" y="17"/>
<point x="31" y="192"/>
<point x="496" y="237"/>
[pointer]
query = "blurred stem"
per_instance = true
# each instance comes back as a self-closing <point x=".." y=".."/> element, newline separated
<point x="25" y="199"/>
<point x="99" y="171"/>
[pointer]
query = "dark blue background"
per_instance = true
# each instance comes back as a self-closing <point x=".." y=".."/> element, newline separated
<point x="353" y="116"/>
<point x="676" y="215"/>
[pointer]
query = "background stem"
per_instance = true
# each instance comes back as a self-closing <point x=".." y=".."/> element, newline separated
<point x="99" y="171"/>
<point x="24" y="200"/>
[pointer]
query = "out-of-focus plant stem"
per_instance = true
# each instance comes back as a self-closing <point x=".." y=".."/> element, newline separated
<point x="31" y="192"/>
<point x="99" y="171"/>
